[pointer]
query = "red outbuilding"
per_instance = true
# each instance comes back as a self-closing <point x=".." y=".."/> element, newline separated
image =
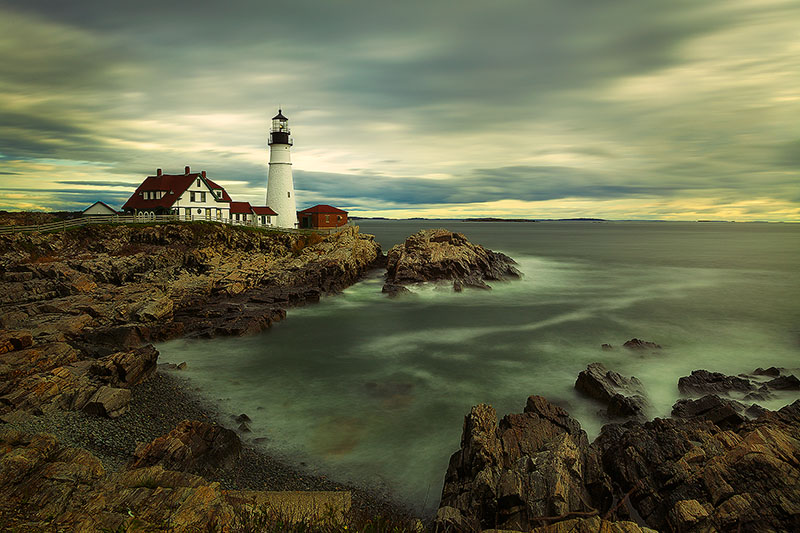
<point x="321" y="216"/>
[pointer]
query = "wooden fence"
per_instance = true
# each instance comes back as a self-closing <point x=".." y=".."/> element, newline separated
<point x="62" y="225"/>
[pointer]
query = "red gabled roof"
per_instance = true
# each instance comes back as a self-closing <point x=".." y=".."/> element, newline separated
<point x="171" y="183"/>
<point x="263" y="211"/>
<point x="241" y="208"/>
<point x="225" y="197"/>
<point x="324" y="208"/>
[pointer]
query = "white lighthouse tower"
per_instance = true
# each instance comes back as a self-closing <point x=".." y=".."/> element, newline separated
<point x="280" y="186"/>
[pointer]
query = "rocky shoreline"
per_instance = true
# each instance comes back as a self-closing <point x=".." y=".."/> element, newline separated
<point x="77" y="314"/>
<point x="95" y="434"/>
<point x="716" y="465"/>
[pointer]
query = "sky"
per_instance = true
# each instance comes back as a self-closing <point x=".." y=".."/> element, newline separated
<point x="635" y="109"/>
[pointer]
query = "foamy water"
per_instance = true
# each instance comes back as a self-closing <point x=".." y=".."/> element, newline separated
<point x="373" y="391"/>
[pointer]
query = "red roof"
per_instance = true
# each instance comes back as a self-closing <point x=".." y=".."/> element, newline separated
<point x="324" y="208"/>
<point x="263" y="211"/>
<point x="241" y="208"/>
<point x="173" y="184"/>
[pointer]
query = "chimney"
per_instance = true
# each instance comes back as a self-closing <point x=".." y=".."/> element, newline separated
<point x="158" y="172"/>
<point x="186" y="170"/>
<point x="203" y="173"/>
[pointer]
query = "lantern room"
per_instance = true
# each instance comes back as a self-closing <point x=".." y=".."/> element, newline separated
<point x="279" y="132"/>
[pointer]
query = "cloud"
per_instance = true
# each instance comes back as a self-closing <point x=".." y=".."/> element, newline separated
<point x="434" y="106"/>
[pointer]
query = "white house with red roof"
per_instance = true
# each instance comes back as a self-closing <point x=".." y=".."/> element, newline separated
<point x="192" y="196"/>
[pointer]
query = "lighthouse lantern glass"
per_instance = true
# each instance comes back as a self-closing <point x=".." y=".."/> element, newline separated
<point x="280" y="125"/>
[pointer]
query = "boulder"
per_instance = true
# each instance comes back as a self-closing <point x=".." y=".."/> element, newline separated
<point x="193" y="446"/>
<point x="702" y="382"/>
<point x="789" y="382"/>
<point x="638" y="344"/>
<point x="110" y="402"/>
<point x="442" y="255"/>
<point x="395" y="290"/>
<point x="14" y="340"/>
<point x="126" y="369"/>
<point x="724" y="413"/>
<point x="624" y="397"/>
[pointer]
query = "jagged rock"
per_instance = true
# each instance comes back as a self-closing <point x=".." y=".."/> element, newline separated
<point x="724" y="413"/>
<point x="154" y="308"/>
<point x="14" y="340"/>
<point x="606" y="347"/>
<point x="702" y="382"/>
<point x="125" y="369"/>
<point x="638" y="344"/>
<point x="109" y="401"/>
<point x="439" y="254"/>
<point x="243" y="418"/>
<point x="531" y="465"/>
<point x="771" y="371"/>
<point x="624" y="397"/>
<point x="744" y="478"/>
<point x="193" y="446"/>
<point x="789" y="382"/>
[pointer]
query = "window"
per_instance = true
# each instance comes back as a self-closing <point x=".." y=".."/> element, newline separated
<point x="339" y="217"/>
<point x="202" y="197"/>
<point x="262" y="219"/>
<point x="198" y="182"/>
<point x="191" y="197"/>
<point x="269" y="219"/>
<point x="327" y="218"/>
<point x="289" y="194"/>
<point x="199" y="211"/>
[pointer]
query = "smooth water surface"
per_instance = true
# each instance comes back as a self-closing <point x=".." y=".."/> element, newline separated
<point x="374" y="391"/>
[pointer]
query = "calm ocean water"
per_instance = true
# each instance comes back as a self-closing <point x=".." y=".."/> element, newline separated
<point x="374" y="391"/>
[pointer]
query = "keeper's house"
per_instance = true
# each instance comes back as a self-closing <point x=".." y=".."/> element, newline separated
<point x="321" y="216"/>
<point x="191" y="195"/>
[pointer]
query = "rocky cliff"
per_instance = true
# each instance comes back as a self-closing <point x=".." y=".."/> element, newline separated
<point x="78" y="307"/>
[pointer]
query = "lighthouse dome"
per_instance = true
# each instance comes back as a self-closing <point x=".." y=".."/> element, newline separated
<point x="279" y="116"/>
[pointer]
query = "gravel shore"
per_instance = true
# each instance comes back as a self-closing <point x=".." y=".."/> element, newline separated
<point x="157" y="406"/>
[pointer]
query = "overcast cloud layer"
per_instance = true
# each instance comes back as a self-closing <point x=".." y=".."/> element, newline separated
<point x="616" y="109"/>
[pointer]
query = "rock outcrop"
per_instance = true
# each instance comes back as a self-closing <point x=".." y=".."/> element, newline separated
<point x="755" y="386"/>
<point x="638" y="344"/>
<point x="92" y="299"/>
<point x="687" y="474"/>
<point x="624" y="397"/>
<point x="691" y="475"/>
<point x="193" y="446"/>
<point x="442" y="255"/>
<point x="724" y="413"/>
<point x="702" y="382"/>
<point x="518" y="474"/>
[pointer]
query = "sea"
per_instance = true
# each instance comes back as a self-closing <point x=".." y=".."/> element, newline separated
<point x="373" y="391"/>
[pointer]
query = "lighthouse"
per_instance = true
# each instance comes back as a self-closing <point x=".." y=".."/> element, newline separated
<point x="280" y="186"/>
